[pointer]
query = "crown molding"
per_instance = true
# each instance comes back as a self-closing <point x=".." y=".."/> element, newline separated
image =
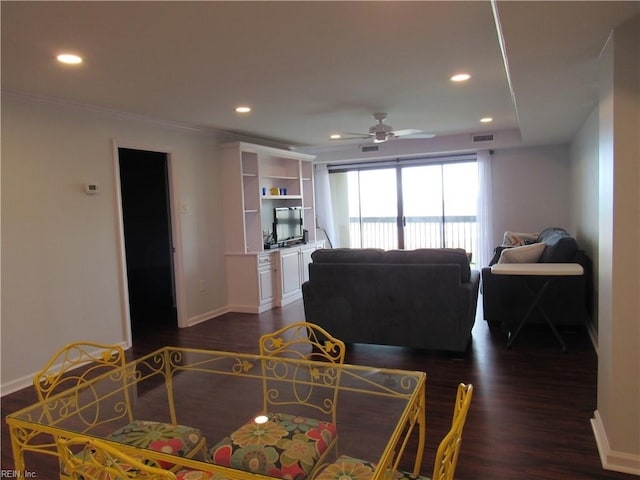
<point x="210" y="132"/>
<point x="35" y="99"/>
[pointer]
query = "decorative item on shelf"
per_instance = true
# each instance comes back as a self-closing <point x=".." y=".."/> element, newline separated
<point x="264" y="190"/>
<point x="283" y="191"/>
<point x="274" y="191"/>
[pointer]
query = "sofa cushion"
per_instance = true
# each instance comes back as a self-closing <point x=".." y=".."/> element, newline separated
<point x="347" y="255"/>
<point x="425" y="256"/>
<point x="561" y="247"/>
<point x="525" y="254"/>
<point x="420" y="256"/>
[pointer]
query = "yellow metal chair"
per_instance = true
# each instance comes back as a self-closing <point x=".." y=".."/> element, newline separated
<point x="314" y="388"/>
<point x="303" y="340"/>
<point x="78" y="362"/>
<point x="84" y="458"/>
<point x="446" y="457"/>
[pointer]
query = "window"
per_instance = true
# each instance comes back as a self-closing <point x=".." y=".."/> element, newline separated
<point x="407" y="205"/>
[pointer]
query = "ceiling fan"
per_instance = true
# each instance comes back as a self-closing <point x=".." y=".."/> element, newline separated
<point x="381" y="132"/>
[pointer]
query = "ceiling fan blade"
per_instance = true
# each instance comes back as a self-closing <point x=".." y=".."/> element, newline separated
<point x="407" y="131"/>
<point x="351" y="136"/>
<point x="419" y="135"/>
<point x="356" y="134"/>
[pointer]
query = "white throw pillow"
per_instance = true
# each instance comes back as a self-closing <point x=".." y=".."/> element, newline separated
<point x="525" y="254"/>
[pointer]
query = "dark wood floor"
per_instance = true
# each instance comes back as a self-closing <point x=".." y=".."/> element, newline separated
<point x="531" y="410"/>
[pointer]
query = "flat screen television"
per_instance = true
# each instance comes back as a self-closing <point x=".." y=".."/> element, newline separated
<point x="287" y="224"/>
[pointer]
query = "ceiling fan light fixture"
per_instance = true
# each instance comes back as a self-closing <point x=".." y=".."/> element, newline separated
<point x="380" y="137"/>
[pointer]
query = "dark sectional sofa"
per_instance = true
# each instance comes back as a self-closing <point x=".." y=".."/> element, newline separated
<point x="567" y="300"/>
<point x="423" y="298"/>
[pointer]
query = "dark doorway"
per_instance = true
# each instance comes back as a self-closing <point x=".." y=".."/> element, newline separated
<point x="144" y="183"/>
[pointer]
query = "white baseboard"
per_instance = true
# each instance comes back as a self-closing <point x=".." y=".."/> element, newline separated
<point x="251" y="308"/>
<point x="611" y="459"/>
<point x="17" y="384"/>
<point x="207" y="316"/>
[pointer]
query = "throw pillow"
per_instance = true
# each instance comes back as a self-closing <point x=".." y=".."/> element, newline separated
<point x="525" y="254"/>
<point x="516" y="239"/>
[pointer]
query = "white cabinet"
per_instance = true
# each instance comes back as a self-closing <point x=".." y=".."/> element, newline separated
<point x="293" y="264"/>
<point x="306" y="260"/>
<point x="256" y="180"/>
<point x="261" y="281"/>
<point x="251" y="282"/>
<point x="289" y="278"/>
<point x="266" y="280"/>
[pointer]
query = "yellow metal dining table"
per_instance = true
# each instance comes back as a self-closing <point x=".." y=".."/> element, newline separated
<point x="379" y="413"/>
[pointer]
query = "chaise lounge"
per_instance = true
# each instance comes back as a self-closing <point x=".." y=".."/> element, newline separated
<point x="567" y="300"/>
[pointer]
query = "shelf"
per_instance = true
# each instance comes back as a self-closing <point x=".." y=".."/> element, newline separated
<point x="248" y="213"/>
<point x="281" y="197"/>
<point x="280" y="177"/>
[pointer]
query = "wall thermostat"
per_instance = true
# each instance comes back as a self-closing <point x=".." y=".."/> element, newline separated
<point x="91" y="188"/>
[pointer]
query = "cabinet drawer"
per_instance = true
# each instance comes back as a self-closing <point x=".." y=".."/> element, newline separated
<point x="264" y="261"/>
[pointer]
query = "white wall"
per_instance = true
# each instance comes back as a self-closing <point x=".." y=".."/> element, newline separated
<point x="584" y="198"/>
<point x="530" y="189"/>
<point x="616" y="421"/>
<point x="60" y="250"/>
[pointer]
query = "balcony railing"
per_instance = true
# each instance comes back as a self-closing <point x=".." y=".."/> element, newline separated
<point x="419" y="232"/>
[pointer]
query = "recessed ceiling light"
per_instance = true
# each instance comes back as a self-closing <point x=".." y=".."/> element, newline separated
<point x="335" y="136"/>
<point x="243" y="109"/>
<point x="69" y="58"/>
<point x="486" y="120"/>
<point x="460" y="77"/>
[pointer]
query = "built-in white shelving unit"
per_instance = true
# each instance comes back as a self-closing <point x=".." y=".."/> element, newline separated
<point x="260" y="279"/>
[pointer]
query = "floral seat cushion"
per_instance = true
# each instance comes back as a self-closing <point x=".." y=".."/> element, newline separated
<point x="285" y="446"/>
<point x="346" y="467"/>
<point x="180" y="440"/>
<point x="198" y="475"/>
<point x="93" y="471"/>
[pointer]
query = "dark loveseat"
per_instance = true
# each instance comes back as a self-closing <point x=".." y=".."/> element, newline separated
<point x="422" y="298"/>
<point x="567" y="300"/>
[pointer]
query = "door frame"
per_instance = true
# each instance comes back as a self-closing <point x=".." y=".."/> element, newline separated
<point x="176" y="233"/>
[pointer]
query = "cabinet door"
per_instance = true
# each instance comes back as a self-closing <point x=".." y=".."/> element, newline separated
<point x="266" y="286"/>
<point x="306" y="260"/>
<point x="290" y="272"/>
<point x="265" y="283"/>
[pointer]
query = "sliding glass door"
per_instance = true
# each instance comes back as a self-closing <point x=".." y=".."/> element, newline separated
<point x="373" y="209"/>
<point x="431" y="205"/>
<point x="423" y="206"/>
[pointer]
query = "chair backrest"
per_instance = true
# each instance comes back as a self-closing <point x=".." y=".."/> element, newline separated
<point x="303" y="340"/>
<point x="64" y="383"/>
<point x="60" y="372"/>
<point x="449" y="449"/>
<point x="84" y="458"/>
<point x="302" y="387"/>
